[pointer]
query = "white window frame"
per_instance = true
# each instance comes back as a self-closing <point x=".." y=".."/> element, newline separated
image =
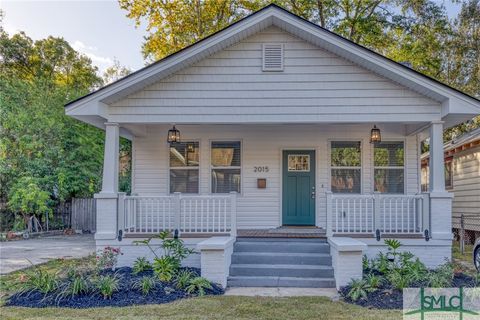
<point x="186" y="168"/>
<point x="331" y="167"/>
<point x="404" y="167"/>
<point x="211" y="168"/>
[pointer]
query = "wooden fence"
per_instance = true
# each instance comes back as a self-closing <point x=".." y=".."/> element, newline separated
<point x="83" y="214"/>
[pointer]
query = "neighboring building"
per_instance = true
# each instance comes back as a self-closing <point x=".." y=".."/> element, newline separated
<point x="276" y="115"/>
<point x="462" y="178"/>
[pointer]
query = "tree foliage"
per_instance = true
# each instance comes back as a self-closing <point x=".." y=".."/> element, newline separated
<point x="45" y="156"/>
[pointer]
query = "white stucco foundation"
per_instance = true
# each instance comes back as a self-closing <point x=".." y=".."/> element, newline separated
<point x="347" y="256"/>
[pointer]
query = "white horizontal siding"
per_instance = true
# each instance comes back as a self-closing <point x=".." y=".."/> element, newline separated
<point x="466" y="186"/>
<point x="262" y="146"/>
<point x="315" y="85"/>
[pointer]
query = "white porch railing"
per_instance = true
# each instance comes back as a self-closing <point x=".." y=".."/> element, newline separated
<point x="186" y="213"/>
<point x="365" y="214"/>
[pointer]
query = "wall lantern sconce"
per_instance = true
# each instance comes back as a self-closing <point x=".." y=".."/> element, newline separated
<point x="173" y="135"/>
<point x="375" y="135"/>
<point x="190" y="147"/>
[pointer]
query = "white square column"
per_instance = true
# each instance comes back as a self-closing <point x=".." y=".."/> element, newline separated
<point x="107" y="199"/>
<point x="440" y="199"/>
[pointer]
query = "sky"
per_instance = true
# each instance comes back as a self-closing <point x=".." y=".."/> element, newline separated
<point x="99" y="29"/>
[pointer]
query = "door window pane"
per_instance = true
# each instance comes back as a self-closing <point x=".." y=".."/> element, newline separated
<point x="299" y="162"/>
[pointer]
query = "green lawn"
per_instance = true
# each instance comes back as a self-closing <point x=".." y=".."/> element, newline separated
<point x="219" y="307"/>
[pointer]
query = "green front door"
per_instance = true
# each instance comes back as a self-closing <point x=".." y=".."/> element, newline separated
<point x="298" y="203"/>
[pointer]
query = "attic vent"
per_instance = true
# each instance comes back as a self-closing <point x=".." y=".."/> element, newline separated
<point x="272" y="57"/>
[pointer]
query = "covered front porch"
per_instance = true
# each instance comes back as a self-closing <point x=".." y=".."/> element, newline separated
<point x="356" y="199"/>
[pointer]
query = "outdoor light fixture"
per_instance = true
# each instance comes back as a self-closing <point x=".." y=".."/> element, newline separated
<point x="375" y="135"/>
<point x="190" y="147"/>
<point x="173" y="135"/>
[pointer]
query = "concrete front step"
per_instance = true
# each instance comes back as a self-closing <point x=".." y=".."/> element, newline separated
<point x="281" y="258"/>
<point x="266" y="281"/>
<point x="282" y="246"/>
<point x="281" y="270"/>
<point x="279" y="239"/>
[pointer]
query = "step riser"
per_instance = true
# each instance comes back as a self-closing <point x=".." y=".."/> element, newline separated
<point x="281" y="259"/>
<point x="281" y="272"/>
<point x="299" y="283"/>
<point x="283" y="240"/>
<point x="281" y="247"/>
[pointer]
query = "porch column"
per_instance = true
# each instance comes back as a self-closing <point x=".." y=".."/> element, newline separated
<point x="110" y="160"/>
<point x="107" y="199"/>
<point x="440" y="199"/>
<point x="436" y="162"/>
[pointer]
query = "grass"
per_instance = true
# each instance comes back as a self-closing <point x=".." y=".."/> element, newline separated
<point x="463" y="261"/>
<point x="219" y="307"/>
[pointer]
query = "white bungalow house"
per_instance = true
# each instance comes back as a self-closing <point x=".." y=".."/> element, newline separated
<point x="273" y="177"/>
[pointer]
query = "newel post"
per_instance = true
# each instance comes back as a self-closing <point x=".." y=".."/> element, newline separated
<point x="233" y="211"/>
<point x="376" y="212"/>
<point x="177" y="210"/>
<point x="329" y="214"/>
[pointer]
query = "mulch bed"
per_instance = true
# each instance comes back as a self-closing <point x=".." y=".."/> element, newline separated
<point x="387" y="297"/>
<point x="125" y="296"/>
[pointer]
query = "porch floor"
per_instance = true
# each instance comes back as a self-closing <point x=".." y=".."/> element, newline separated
<point x="283" y="232"/>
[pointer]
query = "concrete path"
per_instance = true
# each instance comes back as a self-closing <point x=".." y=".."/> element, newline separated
<point x="14" y="254"/>
<point x="282" y="292"/>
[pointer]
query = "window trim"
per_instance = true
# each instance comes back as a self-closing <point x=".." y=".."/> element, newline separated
<point x="361" y="167"/>
<point x="404" y="167"/>
<point x="199" y="168"/>
<point x="210" y="167"/>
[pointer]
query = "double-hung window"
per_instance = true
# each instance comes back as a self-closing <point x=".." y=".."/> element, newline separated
<point x="389" y="168"/>
<point x="226" y="166"/>
<point x="184" y="167"/>
<point x="346" y="166"/>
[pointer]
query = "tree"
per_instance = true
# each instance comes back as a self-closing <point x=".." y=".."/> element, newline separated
<point x="44" y="153"/>
<point x="115" y="72"/>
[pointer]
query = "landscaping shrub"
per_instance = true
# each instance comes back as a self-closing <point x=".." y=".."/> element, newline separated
<point x="389" y="273"/>
<point x="39" y="280"/>
<point x="141" y="265"/>
<point x="359" y="289"/>
<point x="76" y="283"/>
<point x="183" y="279"/>
<point x="198" y="285"/>
<point x="145" y="284"/>
<point x="165" y="268"/>
<point x="107" y="258"/>
<point x="107" y="285"/>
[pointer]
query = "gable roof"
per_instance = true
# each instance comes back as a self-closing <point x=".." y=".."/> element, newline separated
<point x="453" y="100"/>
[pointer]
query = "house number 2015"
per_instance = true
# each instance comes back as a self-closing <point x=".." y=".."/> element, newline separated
<point x="260" y="169"/>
